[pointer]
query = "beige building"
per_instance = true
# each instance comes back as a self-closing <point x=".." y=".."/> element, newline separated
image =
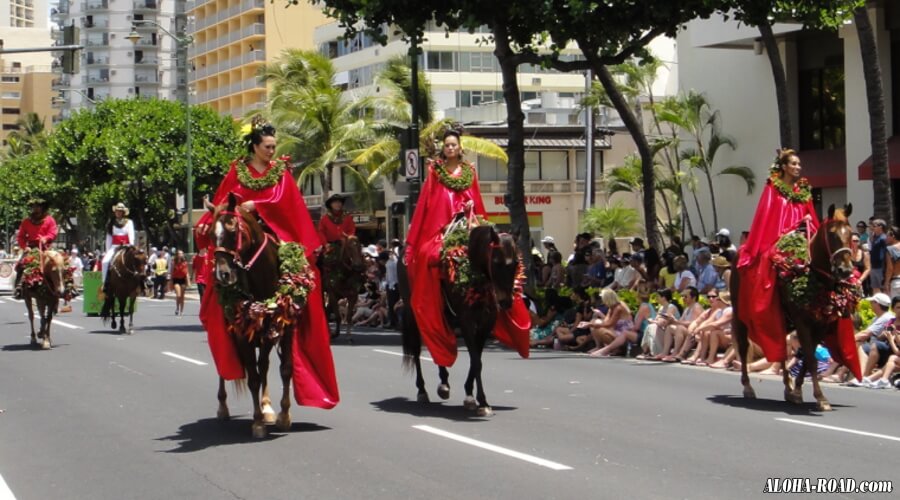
<point x="233" y="39"/>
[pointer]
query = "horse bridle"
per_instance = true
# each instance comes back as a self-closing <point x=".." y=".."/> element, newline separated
<point x="235" y="254"/>
<point x="831" y="255"/>
<point x="134" y="274"/>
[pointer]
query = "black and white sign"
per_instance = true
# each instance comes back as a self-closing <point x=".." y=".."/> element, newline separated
<point x="411" y="162"/>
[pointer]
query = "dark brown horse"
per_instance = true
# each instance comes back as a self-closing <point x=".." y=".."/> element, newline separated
<point x="246" y="262"/>
<point x="125" y="280"/>
<point x="495" y="257"/>
<point x="46" y="292"/>
<point x="343" y="273"/>
<point x="830" y="260"/>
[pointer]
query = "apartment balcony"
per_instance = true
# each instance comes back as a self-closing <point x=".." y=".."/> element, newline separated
<point x="95" y="6"/>
<point x="256" y="30"/>
<point x="96" y="43"/>
<point x="245" y="6"/>
<point x="145" y="6"/>
<point x="97" y="61"/>
<point x="97" y="79"/>
<point x="254" y="56"/>
<point x="146" y="61"/>
<point x="234" y="88"/>
<point x="146" y="79"/>
<point x="96" y="24"/>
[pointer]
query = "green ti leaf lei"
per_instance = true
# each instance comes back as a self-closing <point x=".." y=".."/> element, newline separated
<point x="461" y="183"/>
<point x="271" y="178"/>
<point x="802" y="195"/>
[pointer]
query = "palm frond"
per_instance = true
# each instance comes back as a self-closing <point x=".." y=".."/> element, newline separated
<point x="745" y="173"/>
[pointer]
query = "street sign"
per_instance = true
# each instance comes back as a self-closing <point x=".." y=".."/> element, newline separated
<point x="411" y="162"/>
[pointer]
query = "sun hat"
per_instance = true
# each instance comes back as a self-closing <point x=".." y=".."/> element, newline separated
<point x="548" y="239"/>
<point x="120" y="206"/>
<point x="371" y="251"/>
<point x="334" y="197"/>
<point x="720" y="261"/>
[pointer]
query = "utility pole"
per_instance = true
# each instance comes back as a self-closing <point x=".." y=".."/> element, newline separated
<point x="411" y="162"/>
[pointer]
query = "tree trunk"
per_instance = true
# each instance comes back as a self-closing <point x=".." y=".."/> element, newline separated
<point x="781" y="92"/>
<point x="515" y="150"/>
<point x="883" y="205"/>
<point x="654" y="238"/>
<point x="712" y="198"/>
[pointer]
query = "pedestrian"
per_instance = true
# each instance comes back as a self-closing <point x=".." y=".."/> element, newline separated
<point x="178" y="279"/>
<point x="198" y="270"/>
<point x="877" y="255"/>
<point x="160" y="275"/>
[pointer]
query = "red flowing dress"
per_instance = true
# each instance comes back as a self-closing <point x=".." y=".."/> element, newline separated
<point x="436" y="207"/>
<point x="759" y="301"/>
<point x="282" y="208"/>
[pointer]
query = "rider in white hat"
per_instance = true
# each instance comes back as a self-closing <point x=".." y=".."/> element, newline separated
<point x="119" y="231"/>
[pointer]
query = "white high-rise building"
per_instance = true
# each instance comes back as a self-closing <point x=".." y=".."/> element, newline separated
<point x="111" y="65"/>
<point x="23" y="14"/>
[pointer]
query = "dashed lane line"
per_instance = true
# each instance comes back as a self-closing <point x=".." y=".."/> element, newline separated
<point x="494" y="448"/>
<point x="184" y="358"/>
<point x="839" y="429"/>
<point x="61" y="323"/>
<point x="382" y="351"/>
<point x="5" y="492"/>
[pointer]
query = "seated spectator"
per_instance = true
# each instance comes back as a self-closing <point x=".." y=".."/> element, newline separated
<point x="626" y="277"/>
<point x="652" y="342"/>
<point x="874" y="351"/>
<point x="556" y="276"/>
<point x="596" y="273"/>
<point x="705" y="272"/>
<point x="712" y="330"/>
<point x="575" y="331"/>
<point x="371" y="307"/>
<point x="612" y="330"/>
<point x="667" y="272"/>
<point x="684" y="278"/>
<point x="723" y="273"/>
<point x="645" y="313"/>
<point x="882" y="380"/>
<point x="577" y="269"/>
<point x="676" y="337"/>
<point x="796" y="357"/>
<point x="542" y="327"/>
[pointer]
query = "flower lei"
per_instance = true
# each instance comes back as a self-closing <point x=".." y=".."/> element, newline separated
<point x="247" y="318"/>
<point x="802" y="194"/>
<point x="271" y="178"/>
<point x="809" y="289"/>
<point x="457" y="267"/>
<point x="32" y="275"/>
<point x="461" y="183"/>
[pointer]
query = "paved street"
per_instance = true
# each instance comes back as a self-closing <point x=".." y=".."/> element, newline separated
<point x="103" y="416"/>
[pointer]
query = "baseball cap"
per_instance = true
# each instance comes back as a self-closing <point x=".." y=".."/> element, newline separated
<point x="724" y="232"/>
<point x="881" y="298"/>
<point x="371" y="251"/>
<point x="636" y="241"/>
<point x="548" y="239"/>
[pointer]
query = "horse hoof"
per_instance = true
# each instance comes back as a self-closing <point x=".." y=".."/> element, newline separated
<point x="222" y="415"/>
<point x="284" y="421"/>
<point x="131" y="331"/>
<point x="45" y="345"/>
<point x="259" y="431"/>
<point x="113" y="325"/>
<point x="749" y="393"/>
<point x="824" y="406"/>
<point x="422" y="397"/>
<point x="485" y="411"/>
<point x="469" y="403"/>
<point x="793" y="398"/>
<point x="268" y="415"/>
<point x="443" y="391"/>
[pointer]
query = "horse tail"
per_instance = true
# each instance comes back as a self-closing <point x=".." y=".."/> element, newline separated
<point x="412" y="340"/>
<point x="106" y="312"/>
<point x="239" y="386"/>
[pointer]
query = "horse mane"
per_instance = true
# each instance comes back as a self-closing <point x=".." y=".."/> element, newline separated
<point x="839" y="215"/>
<point x="480" y="240"/>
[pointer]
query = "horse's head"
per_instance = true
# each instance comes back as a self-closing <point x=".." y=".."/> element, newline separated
<point x="831" y="246"/>
<point x="351" y="255"/>
<point x="231" y="230"/>
<point x="496" y="256"/>
<point x="136" y="261"/>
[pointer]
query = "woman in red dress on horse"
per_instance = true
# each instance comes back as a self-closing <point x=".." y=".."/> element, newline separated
<point x="450" y="188"/>
<point x="265" y="187"/>
<point x="786" y="202"/>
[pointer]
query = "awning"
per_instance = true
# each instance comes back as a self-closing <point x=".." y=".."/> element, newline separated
<point x="865" y="168"/>
<point x="825" y="168"/>
<point x="554" y="143"/>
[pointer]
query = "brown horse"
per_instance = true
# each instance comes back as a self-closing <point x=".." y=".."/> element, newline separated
<point x="246" y="262"/>
<point x="125" y="280"/>
<point x="495" y="257"/>
<point x="830" y="260"/>
<point x="343" y="273"/>
<point x="46" y="293"/>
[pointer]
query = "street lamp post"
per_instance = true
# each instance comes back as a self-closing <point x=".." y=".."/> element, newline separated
<point x="183" y="41"/>
<point x="77" y="91"/>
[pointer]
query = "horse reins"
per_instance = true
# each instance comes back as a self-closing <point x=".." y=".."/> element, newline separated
<point x="235" y="254"/>
<point x="832" y="255"/>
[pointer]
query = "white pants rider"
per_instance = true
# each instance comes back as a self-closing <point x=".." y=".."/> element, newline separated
<point x="107" y="258"/>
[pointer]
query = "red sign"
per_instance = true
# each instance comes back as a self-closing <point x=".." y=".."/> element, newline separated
<point x="529" y="200"/>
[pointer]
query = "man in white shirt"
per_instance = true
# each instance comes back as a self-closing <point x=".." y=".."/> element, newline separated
<point x="626" y="276"/>
<point x="871" y="340"/>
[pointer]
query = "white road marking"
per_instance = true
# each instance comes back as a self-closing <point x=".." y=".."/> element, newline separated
<point x="490" y="447"/>
<point x="5" y="492"/>
<point x="1" y="301"/>
<point x="184" y="358"/>
<point x="840" y="429"/>
<point x="426" y="358"/>
<point x="130" y="370"/>
<point x="60" y="323"/>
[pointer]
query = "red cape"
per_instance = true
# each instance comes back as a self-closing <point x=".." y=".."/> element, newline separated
<point x="284" y="210"/>
<point x="435" y="209"/>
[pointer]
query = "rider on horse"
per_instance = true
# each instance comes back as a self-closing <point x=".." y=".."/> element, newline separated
<point x="119" y="232"/>
<point x="336" y="224"/>
<point x="36" y="232"/>
<point x="450" y="189"/>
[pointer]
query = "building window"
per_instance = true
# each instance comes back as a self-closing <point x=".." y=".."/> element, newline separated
<point x="581" y="164"/>
<point x="11" y="111"/>
<point x="10" y="126"/>
<point x="439" y="61"/>
<point x="10" y="79"/>
<point x="12" y="95"/>
<point x="554" y="165"/>
<point x="490" y="170"/>
<point x="822" y="123"/>
<point x="312" y="186"/>
<point x="532" y="166"/>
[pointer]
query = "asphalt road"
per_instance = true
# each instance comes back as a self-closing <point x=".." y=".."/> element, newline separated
<point x="104" y="416"/>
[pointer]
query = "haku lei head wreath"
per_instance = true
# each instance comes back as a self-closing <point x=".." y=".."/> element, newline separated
<point x="257" y="126"/>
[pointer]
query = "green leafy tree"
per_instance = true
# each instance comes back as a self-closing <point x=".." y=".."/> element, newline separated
<point x="611" y="222"/>
<point x="134" y="151"/>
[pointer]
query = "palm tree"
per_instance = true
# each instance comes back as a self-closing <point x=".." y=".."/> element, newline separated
<point x="29" y="136"/>
<point x="316" y="124"/>
<point x="611" y="222"/>
<point x="693" y="115"/>
<point x="393" y="107"/>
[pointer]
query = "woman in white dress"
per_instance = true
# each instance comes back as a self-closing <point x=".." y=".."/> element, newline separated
<point x="119" y="231"/>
